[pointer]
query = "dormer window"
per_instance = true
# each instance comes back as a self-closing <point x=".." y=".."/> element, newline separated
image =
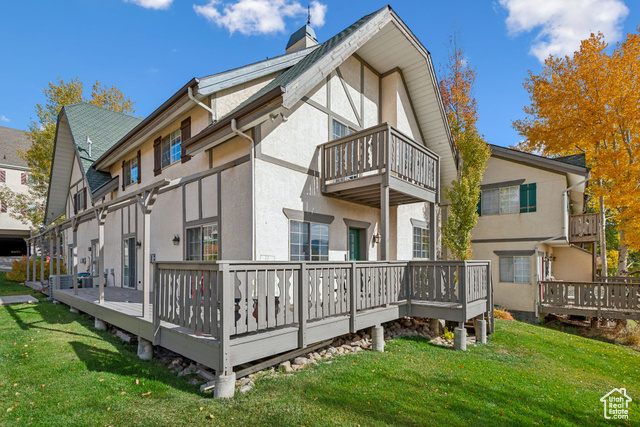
<point x="171" y="148"/>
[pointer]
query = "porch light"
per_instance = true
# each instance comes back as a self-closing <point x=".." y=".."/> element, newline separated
<point x="377" y="238"/>
<point x="176" y="239"/>
<point x="139" y="243"/>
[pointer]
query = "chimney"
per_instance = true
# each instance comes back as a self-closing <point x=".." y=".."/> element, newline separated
<point x="303" y="38"/>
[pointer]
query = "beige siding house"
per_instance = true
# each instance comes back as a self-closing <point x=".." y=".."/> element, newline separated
<point x="532" y="226"/>
<point x="14" y="173"/>
<point x="321" y="167"/>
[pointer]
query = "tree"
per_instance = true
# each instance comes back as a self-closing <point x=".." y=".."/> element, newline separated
<point x="461" y="110"/>
<point x="29" y="207"/>
<point x="589" y="103"/>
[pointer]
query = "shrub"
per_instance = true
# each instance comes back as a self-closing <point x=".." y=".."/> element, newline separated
<point x="448" y="335"/>
<point x="18" y="271"/>
<point x="501" y="313"/>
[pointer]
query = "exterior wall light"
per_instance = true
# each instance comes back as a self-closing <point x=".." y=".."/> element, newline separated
<point x="138" y="243"/>
<point x="377" y="238"/>
<point x="176" y="239"/>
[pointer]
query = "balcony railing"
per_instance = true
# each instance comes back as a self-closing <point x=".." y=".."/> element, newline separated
<point x="583" y="228"/>
<point x="380" y="151"/>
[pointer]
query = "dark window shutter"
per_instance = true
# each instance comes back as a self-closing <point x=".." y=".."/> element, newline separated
<point x="532" y="197"/>
<point x="124" y="185"/>
<point x="157" y="156"/>
<point x="524" y="199"/>
<point x="139" y="168"/>
<point x="479" y="210"/>
<point x="185" y="133"/>
<point x="84" y="198"/>
<point x="75" y="203"/>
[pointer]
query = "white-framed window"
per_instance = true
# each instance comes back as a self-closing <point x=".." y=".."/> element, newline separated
<point x="501" y="200"/>
<point x="202" y="242"/>
<point x="308" y="241"/>
<point x="171" y="148"/>
<point x="421" y="242"/>
<point x="515" y="269"/>
<point x="339" y="130"/>
<point x="131" y="171"/>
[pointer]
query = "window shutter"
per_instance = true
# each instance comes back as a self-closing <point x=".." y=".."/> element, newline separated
<point x="75" y="203"/>
<point x="524" y="203"/>
<point x="479" y="210"/>
<point x="185" y="133"/>
<point x="157" y="156"/>
<point x="3" y="175"/>
<point x="532" y="197"/>
<point x="84" y="198"/>
<point x="139" y="168"/>
<point x="123" y="178"/>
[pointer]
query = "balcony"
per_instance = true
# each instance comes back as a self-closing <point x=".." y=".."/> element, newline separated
<point x="583" y="228"/>
<point x="357" y="166"/>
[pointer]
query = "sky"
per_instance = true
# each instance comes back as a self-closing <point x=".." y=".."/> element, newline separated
<point x="151" y="48"/>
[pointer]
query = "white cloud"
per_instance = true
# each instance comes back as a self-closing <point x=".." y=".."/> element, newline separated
<point x="152" y="4"/>
<point x="4" y="118"/>
<point x="258" y="16"/>
<point x="563" y="24"/>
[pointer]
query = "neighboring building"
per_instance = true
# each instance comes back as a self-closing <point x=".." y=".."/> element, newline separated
<point x="531" y="203"/>
<point x="14" y="174"/>
<point x="252" y="167"/>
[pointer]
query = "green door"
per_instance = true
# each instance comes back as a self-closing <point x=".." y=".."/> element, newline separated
<point x="354" y="244"/>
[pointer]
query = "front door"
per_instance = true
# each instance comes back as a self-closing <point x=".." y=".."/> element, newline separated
<point x="129" y="263"/>
<point x="355" y="253"/>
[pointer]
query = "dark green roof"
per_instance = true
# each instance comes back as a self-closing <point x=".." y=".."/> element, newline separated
<point x="104" y="128"/>
<point x="573" y="159"/>
<point x="292" y="73"/>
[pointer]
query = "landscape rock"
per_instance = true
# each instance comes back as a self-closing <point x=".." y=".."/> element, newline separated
<point x="300" y="361"/>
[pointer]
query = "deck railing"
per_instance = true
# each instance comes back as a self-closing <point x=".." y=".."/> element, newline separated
<point x="590" y="295"/>
<point x="376" y="151"/>
<point x="583" y="228"/>
<point x="235" y="298"/>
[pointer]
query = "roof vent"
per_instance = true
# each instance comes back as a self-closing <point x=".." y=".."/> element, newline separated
<point x="303" y="38"/>
<point x="89" y="144"/>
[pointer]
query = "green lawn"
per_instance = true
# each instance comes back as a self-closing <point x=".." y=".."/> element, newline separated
<point x="55" y="369"/>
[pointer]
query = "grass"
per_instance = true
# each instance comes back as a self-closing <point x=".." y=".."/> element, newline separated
<point x="55" y="369"/>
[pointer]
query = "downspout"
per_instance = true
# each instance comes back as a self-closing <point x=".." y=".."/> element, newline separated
<point x="235" y="130"/>
<point x="191" y="97"/>
<point x="565" y="233"/>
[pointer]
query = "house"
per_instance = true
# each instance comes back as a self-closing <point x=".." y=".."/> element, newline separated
<point x="269" y="207"/>
<point x="14" y="173"/>
<point x="533" y="226"/>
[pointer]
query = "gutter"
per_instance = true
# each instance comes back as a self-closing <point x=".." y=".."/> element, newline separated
<point x="235" y="130"/>
<point x="179" y="94"/>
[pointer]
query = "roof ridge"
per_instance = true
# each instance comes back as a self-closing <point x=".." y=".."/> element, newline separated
<point x="101" y="108"/>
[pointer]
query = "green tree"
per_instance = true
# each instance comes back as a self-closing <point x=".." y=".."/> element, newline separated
<point x="29" y="207"/>
<point x="464" y="193"/>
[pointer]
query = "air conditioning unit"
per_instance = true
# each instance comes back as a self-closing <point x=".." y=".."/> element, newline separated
<point x="89" y="282"/>
<point x="65" y="281"/>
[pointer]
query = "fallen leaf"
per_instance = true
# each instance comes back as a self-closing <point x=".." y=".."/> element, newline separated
<point x="145" y="394"/>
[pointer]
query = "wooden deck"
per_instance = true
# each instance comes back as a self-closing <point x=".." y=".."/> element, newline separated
<point x="592" y="299"/>
<point x="224" y="314"/>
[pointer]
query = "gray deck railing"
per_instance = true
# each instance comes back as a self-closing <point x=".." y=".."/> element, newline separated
<point x="247" y="297"/>
<point x="590" y="295"/>
<point x="583" y="228"/>
<point x="379" y="150"/>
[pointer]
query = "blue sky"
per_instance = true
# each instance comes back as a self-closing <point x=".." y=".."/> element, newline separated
<point x="150" y="48"/>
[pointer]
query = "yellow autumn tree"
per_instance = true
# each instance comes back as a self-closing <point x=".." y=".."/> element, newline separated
<point x="461" y="109"/>
<point x="589" y="103"/>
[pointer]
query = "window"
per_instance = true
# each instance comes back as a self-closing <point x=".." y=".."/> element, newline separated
<point x="515" y="269"/>
<point x="80" y="201"/>
<point x="506" y="200"/>
<point x="308" y="241"/>
<point x="340" y="130"/>
<point x="171" y="148"/>
<point x="421" y="242"/>
<point x="202" y="243"/>
<point x="131" y="171"/>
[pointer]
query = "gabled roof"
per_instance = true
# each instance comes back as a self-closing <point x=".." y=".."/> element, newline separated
<point x="76" y="123"/>
<point x="573" y="159"/>
<point x="567" y="164"/>
<point x="12" y="140"/>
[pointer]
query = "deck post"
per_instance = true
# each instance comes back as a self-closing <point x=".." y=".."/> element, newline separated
<point x="156" y="305"/>
<point x="146" y="201"/>
<point x="28" y="242"/>
<point x="353" y="298"/>
<point x="51" y="290"/>
<point x="460" y="337"/>
<point x="58" y="258"/>
<point x="74" y="251"/>
<point x="303" y="305"/>
<point x="33" y="256"/>
<point x="432" y="232"/>
<point x="377" y="336"/>
<point x="145" y="349"/>
<point x="226" y="321"/>
<point x="101" y="216"/>
<point x="384" y="222"/>
<point x="41" y="260"/>
<point x="480" y="327"/>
